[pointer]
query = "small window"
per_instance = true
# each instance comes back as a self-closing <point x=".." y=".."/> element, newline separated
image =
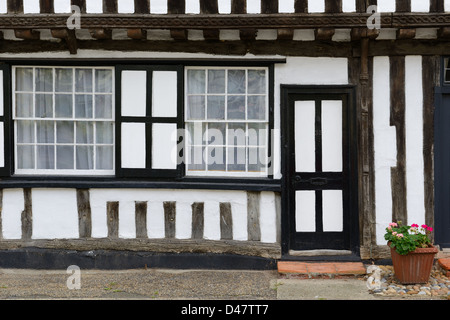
<point x="227" y="121"/>
<point x="64" y="120"/>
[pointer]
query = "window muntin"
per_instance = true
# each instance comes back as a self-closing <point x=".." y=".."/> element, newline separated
<point x="227" y="121"/>
<point x="64" y="120"/>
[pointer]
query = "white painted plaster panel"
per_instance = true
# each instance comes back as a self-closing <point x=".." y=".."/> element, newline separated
<point x="134" y="93"/>
<point x="164" y="146"/>
<point x="211" y="230"/>
<point x="305" y="211"/>
<point x="384" y="145"/>
<point x="420" y="5"/>
<point x="2" y="146"/>
<point x="386" y="6"/>
<point x="158" y="6"/>
<point x="224" y="6"/>
<point x="94" y="6"/>
<point x="348" y="5"/>
<point x="447" y="5"/>
<point x="332" y="135"/>
<point x="305" y="148"/>
<point x="304" y="35"/>
<point x="63" y="6"/>
<point x="414" y="140"/>
<point x="12" y="207"/>
<point x="316" y="6"/>
<point x="192" y="6"/>
<point x="126" y="6"/>
<point x="253" y="6"/>
<point x="164" y="97"/>
<point x="155" y="219"/>
<point x="133" y="145"/>
<point x="127" y="219"/>
<point x="332" y="211"/>
<point x="55" y="214"/>
<point x="31" y="6"/>
<point x="3" y="6"/>
<point x="268" y="217"/>
<point x="286" y="6"/>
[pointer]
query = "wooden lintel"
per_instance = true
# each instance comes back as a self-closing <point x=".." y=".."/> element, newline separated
<point x="137" y="34"/>
<point x="248" y="34"/>
<point x="324" y="33"/>
<point x="211" y="34"/>
<point x="285" y="34"/>
<point x="67" y="35"/>
<point x="406" y="33"/>
<point x="101" y="33"/>
<point x="179" y="34"/>
<point x="27" y="34"/>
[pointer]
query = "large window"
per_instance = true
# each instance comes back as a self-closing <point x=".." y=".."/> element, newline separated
<point x="64" y="120"/>
<point x="227" y="120"/>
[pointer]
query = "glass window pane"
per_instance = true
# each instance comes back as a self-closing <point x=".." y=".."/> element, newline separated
<point x="63" y="106"/>
<point x="257" y="159"/>
<point x="236" y="81"/>
<point x="196" y="133"/>
<point x="103" y="80"/>
<point x="216" y="81"/>
<point x="85" y="132"/>
<point x="85" y="157"/>
<point x="236" y="134"/>
<point x="216" y="133"/>
<point x="25" y="131"/>
<point x="24" y="79"/>
<point x="256" y="108"/>
<point x="44" y="106"/>
<point x="236" y="108"/>
<point x="236" y="158"/>
<point x="103" y="106"/>
<point x="104" y="132"/>
<point x="104" y="158"/>
<point x="257" y="134"/>
<point x="44" y="80"/>
<point x="196" y="108"/>
<point x="83" y="106"/>
<point x="64" y="157"/>
<point x="196" y="159"/>
<point x="45" y="157"/>
<point x="196" y="81"/>
<point x="83" y="80"/>
<point x="64" y="80"/>
<point x="45" y="132"/>
<point x="25" y="157"/>
<point x="216" y="158"/>
<point x="24" y="105"/>
<point x="256" y="81"/>
<point x="64" y="132"/>
<point x="216" y="107"/>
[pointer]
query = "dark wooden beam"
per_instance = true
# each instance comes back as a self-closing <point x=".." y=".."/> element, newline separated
<point x="436" y="5"/>
<point x="285" y="34"/>
<point x="110" y="6"/>
<point x="238" y="6"/>
<point x="211" y="34"/>
<point x="253" y="214"/>
<point x="269" y="6"/>
<point x="301" y="6"/>
<point x="141" y="219"/>
<point x="46" y="6"/>
<point x="226" y="221"/>
<point x="142" y="6"/>
<point x="112" y="219"/>
<point x="14" y="6"/>
<point x="84" y="213"/>
<point x="209" y="7"/>
<point x="403" y="6"/>
<point x="68" y="36"/>
<point x="247" y="34"/>
<point x="198" y="220"/>
<point x="27" y="34"/>
<point x="137" y="34"/>
<point x="406" y="33"/>
<point x="169" y="219"/>
<point x="324" y="33"/>
<point x="80" y="4"/>
<point x="176" y="6"/>
<point x="179" y="34"/>
<point x="100" y="33"/>
<point x="333" y="6"/>
<point x="27" y="215"/>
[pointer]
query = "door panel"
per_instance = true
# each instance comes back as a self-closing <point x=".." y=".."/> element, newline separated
<point x="319" y="169"/>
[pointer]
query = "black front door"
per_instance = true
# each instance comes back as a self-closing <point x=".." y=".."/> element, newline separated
<point x="319" y="168"/>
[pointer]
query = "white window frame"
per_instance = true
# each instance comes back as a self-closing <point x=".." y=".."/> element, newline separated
<point x="65" y="172"/>
<point x="266" y="122"/>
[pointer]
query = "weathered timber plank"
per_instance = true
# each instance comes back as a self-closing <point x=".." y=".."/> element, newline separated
<point x="46" y="6"/>
<point x="226" y="221"/>
<point x="68" y="36"/>
<point x="110" y="6"/>
<point x="436" y="5"/>
<point x="403" y="6"/>
<point x="169" y="218"/>
<point x="14" y="6"/>
<point x="238" y="6"/>
<point x="84" y="213"/>
<point x="333" y="6"/>
<point x="301" y="6"/>
<point x="112" y="219"/>
<point x="397" y="119"/>
<point x="209" y="7"/>
<point x="27" y="215"/>
<point x="141" y="219"/>
<point x="198" y="220"/>
<point x="253" y="213"/>
<point x="1" y="211"/>
<point x="269" y="6"/>
<point x="142" y="6"/>
<point x="176" y="6"/>
<point x="80" y="4"/>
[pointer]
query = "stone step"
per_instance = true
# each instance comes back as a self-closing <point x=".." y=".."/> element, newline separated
<point x="444" y="263"/>
<point x="321" y="268"/>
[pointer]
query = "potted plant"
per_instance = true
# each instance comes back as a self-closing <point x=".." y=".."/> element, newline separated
<point x="412" y="252"/>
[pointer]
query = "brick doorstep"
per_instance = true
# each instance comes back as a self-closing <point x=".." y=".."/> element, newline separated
<point x="444" y="263"/>
<point x="321" y="268"/>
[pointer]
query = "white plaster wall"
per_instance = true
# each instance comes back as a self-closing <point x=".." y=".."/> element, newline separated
<point x="13" y="205"/>
<point x="55" y="213"/>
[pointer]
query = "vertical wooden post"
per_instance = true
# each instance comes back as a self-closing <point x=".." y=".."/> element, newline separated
<point x="269" y="6"/>
<point x="197" y="220"/>
<point x="436" y="5"/>
<point x="141" y="219"/>
<point x="46" y="6"/>
<point x="253" y="224"/>
<point x="169" y="218"/>
<point x="209" y="6"/>
<point x="110" y="6"/>
<point x="226" y="221"/>
<point x="80" y="3"/>
<point x="239" y="6"/>
<point x="301" y="6"/>
<point x="403" y="6"/>
<point x="176" y="6"/>
<point x="14" y="6"/>
<point x="112" y="218"/>
<point x="84" y="213"/>
<point x="1" y="211"/>
<point x="398" y="173"/>
<point x="333" y="6"/>
<point x="27" y="215"/>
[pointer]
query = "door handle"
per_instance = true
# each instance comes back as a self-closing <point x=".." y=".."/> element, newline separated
<point x="318" y="181"/>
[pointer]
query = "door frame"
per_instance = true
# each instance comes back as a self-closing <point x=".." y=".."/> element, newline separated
<point x="288" y="162"/>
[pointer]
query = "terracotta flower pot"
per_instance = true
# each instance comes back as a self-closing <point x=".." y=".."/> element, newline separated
<point x="414" y="267"/>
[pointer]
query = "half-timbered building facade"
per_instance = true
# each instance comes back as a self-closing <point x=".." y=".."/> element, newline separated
<point x="230" y="133"/>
